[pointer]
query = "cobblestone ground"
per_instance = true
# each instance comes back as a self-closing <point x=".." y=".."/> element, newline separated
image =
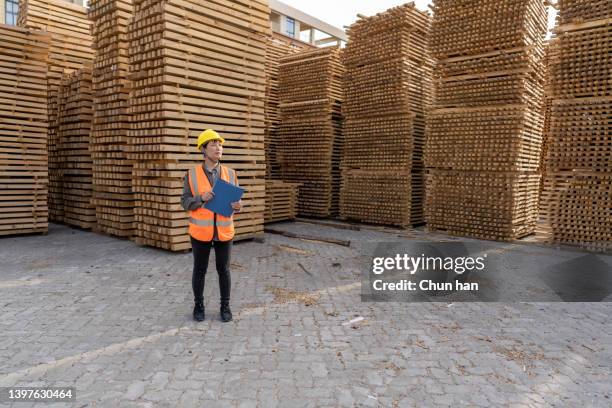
<point x="114" y="320"/>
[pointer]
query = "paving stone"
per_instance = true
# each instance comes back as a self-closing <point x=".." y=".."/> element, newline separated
<point x="123" y="344"/>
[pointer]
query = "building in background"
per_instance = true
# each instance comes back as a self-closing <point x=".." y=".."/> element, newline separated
<point x="285" y="20"/>
<point x="9" y="9"/>
<point x="296" y="24"/>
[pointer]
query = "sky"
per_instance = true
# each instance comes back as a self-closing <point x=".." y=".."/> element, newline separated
<point x="341" y="13"/>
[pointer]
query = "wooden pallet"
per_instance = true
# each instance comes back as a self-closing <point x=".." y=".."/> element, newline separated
<point x="311" y="128"/>
<point x="195" y="66"/>
<point x="484" y="139"/>
<point x="388" y="91"/>
<point x="24" y="177"/>
<point x="70" y="50"/>
<point x="281" y="201"/>
<point x="74" y="120"/>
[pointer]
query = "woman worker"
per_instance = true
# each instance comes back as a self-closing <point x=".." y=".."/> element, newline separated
<point x="207" y="229"/>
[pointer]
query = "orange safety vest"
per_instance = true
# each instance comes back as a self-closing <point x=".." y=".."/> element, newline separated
<point x="202" y="221"/>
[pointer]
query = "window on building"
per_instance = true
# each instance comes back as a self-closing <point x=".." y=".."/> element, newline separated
<point x="290" y="27"/>
<point x="11" y="11"/>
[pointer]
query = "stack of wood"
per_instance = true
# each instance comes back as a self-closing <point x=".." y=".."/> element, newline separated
<point x="311" y="128"/>
<point x="195" y="65"/>
<point x="278" y="46"/>
<point x="112" y="171"/>
<point x="281" y="201"/>
<point x="281" y="197"/>
<point x="550" y="56"/>
<point x="70" y="50"/>
<point x="388" y="89"/>
<point x="576" y="204"/>
<point x="582" y="11"/>
<point x="484" y="135"/>
<point x="23" y="131"/>
<point x="74" y="117"/>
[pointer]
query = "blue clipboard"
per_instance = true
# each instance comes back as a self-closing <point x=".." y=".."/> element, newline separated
<point x="225" y="194"/>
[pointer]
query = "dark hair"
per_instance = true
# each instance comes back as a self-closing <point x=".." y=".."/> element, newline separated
<point x="206" y="144"/>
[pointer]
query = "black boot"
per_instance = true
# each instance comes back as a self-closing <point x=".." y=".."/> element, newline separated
<point x="226" y="313"/>
<point x="198" y="311"/>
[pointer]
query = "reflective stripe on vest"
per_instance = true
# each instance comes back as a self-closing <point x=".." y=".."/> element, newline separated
<point x="209" y="223"/>
<point x="232" y="175"/>
<point x="194" y="180"/>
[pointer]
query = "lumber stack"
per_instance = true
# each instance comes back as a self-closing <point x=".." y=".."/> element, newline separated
<point x="388" y="89"/>
<point x="278" y="46"/>
<point x="112" y="171"/>
<point x="550" y="57"/>
<point x="281" y="201"/>
<point x="311" y="128"/>
<point x="74" y="117"/>
<point x="583" y="11"/>
<point x="195" y="65"/>
<point x="484" y="135"/>
<point x="23" y="131"/>
<point x="577" y="198"/>
<point x="70" y="50"/>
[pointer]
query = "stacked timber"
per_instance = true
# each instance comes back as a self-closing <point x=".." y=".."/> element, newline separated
<point x="278" y="46"/>
<point x="388" y="89"/>
<point x="281" y="201"/>
<point x="281" y="197"/>
<point x="23" y="131"/>
<point x="576" y="203"/>
<point x="311" y="128"/>
<point x="484" y="135"/>
<point x="583" y="11"/>
<point x="551" y="56"/>
<point x="112" y="171"/>
<point x="74" y="117"/>
<point x="195" y="65"/>
<point x="70" y="50"/>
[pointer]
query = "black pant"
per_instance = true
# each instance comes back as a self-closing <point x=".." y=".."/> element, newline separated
<point x="201" y="252"/>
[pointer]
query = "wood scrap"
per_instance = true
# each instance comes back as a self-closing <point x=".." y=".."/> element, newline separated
<point x="308" y="237"/>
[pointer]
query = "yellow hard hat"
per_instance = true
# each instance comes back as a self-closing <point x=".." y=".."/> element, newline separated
<point x="207" y="136"/>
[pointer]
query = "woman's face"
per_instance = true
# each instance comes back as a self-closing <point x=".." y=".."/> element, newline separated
<point x="214" y="150"/>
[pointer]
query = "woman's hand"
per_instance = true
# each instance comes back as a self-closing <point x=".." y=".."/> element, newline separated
<point x="207" y="196"/>
<point x="237" y="206"/>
